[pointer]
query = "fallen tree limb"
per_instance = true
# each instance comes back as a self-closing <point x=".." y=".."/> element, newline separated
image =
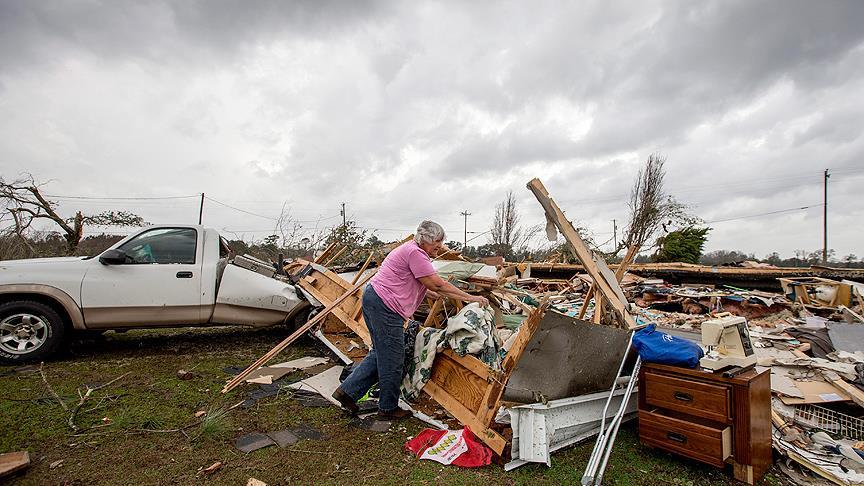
<point x="51" y="390"/>
<point x="85" y="397"/>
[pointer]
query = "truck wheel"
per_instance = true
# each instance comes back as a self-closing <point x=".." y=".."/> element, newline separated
<point x="301" y="318"/>
<point x="29" y="331"/>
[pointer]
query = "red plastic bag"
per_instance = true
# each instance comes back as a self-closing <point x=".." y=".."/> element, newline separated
<point x="476" y="454"/>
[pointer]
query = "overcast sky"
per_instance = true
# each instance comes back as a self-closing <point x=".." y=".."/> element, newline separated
<point x="419" y="110"/>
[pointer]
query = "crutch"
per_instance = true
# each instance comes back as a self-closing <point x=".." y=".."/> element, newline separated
<point x="603" y="435"/>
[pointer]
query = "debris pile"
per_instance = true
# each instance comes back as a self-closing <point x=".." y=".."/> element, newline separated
<point x="513" y="366"/>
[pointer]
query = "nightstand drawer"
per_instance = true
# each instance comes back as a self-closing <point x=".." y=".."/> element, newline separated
<point x="703" y="442"/>
<point x="686" y="396"/>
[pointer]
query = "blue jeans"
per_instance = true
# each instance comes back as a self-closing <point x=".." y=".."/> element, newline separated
<point x="384" y="363"/>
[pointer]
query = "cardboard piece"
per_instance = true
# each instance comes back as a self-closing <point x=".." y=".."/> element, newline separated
<point x="815" y="392"/>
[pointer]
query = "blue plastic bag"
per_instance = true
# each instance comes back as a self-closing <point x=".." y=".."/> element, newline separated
<point x="658" y="347"/>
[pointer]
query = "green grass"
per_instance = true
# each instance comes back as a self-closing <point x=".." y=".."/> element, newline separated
<point x="152" y="397"/>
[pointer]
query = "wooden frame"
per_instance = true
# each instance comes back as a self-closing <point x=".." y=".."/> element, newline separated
<point x="471" y="392"/>
<point x="325" y="286"/>
<point x="800" y="286"/>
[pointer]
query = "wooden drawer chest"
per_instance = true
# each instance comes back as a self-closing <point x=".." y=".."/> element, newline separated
<point x="707" y="417"/>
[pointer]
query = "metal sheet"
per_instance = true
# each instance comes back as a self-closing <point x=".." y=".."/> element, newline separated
<point x="846" y="337"/>
<point x="566" y="358"/>
<point x="540" y="429"/>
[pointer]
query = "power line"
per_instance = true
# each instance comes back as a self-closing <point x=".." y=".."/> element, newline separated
<point x="54" y="196"/>
<point x="765" y="214"/>
<point x="238" y="209"/>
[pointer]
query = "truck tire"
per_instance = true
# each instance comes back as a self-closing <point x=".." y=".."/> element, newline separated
<point x="29" y="331"/>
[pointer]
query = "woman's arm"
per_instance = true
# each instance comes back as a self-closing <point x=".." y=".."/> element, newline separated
<point x="440" y="286"/>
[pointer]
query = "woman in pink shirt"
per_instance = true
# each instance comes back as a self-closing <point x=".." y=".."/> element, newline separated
<point x="392" y="296"/>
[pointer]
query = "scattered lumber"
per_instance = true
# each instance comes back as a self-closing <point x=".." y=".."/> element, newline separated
<point x="296" y="334"/>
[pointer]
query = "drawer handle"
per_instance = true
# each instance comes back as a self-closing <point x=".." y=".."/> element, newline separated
<point x="677" y="437"/>
<point x="684" y="397"/>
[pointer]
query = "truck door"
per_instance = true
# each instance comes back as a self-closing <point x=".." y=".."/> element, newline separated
<point x="159" y="284"/>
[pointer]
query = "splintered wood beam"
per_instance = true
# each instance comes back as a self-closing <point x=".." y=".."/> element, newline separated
<point x="581" y="251"/>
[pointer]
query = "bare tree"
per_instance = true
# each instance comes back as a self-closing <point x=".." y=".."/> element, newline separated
<point x="506" y="234"/>
<point x="24" y="202"/>
<point x="651" y="209"/>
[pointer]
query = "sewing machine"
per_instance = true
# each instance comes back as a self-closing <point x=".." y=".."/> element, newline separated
<point x="728" y="341"/>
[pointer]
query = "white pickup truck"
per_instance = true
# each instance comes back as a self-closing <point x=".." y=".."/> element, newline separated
<point x="161" y="276"/>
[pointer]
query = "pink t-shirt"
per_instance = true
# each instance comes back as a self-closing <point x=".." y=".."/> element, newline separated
<point x="397" y="280"/>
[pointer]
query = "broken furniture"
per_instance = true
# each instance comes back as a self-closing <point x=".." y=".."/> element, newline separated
<point x="708" y="417"/>
<point x="817" y="291"/>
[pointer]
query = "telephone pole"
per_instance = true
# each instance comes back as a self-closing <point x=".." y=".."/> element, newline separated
<point x="465" y="236"/>
<point x="344" y="222"/>
<point x="825" y="218"/>
<point x="614" y="235"/>
<point x="201" y="209"/>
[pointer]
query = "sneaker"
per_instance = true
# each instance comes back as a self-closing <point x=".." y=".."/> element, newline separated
<point x="395" y="414"/>
<point x="347" y="402"/>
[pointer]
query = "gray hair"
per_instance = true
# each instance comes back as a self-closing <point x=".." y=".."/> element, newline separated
<point x="429" y="232"/>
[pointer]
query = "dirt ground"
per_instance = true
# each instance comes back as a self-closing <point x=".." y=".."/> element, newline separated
<point x="127" y="431"/>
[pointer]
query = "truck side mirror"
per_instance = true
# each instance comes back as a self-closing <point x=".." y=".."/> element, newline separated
<point x="113" y="257"/>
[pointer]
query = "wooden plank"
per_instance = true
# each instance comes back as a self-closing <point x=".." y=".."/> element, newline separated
<point x="597" y="317"/>
<point x="581" y="251"/>
<point x="431" y="320"/>
<point x="629" y="257"/>
<point x="358" y="328"/>
<point x="12" y="462"/>
<point x="526" y="331"/>
<point x="458" y="381"/>
<point x="491" y="438"/>
<point x="293" y="337"/>
<point x="337" y="255"/>
<point x="326" y="253"/>
<point x="473" y="364"/>
<point x="363" y="268"/>
<point x="854" y="393"/>
<point x="584" y="308"/>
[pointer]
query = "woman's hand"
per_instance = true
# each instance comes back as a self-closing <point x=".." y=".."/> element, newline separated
<point x="483" y="301"/>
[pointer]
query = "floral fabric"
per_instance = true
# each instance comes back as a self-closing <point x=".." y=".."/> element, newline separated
<point x="471" y="331"/>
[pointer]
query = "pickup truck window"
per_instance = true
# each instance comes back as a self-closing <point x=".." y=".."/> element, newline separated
<point x="162" y="245"/>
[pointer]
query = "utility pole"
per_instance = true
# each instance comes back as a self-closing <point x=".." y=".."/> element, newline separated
<point x="614" y="234"/>
<point x="201" y="209"/>
<point x="825" y="218"/>
<point x="344" y="222"/>
<point x="465" y="236"/>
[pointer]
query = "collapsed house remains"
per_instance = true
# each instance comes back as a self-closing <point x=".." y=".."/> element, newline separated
<point x="537" y="372"/>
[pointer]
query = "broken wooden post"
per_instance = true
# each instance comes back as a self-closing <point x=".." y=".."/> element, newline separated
<point x="577" y="246"/>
